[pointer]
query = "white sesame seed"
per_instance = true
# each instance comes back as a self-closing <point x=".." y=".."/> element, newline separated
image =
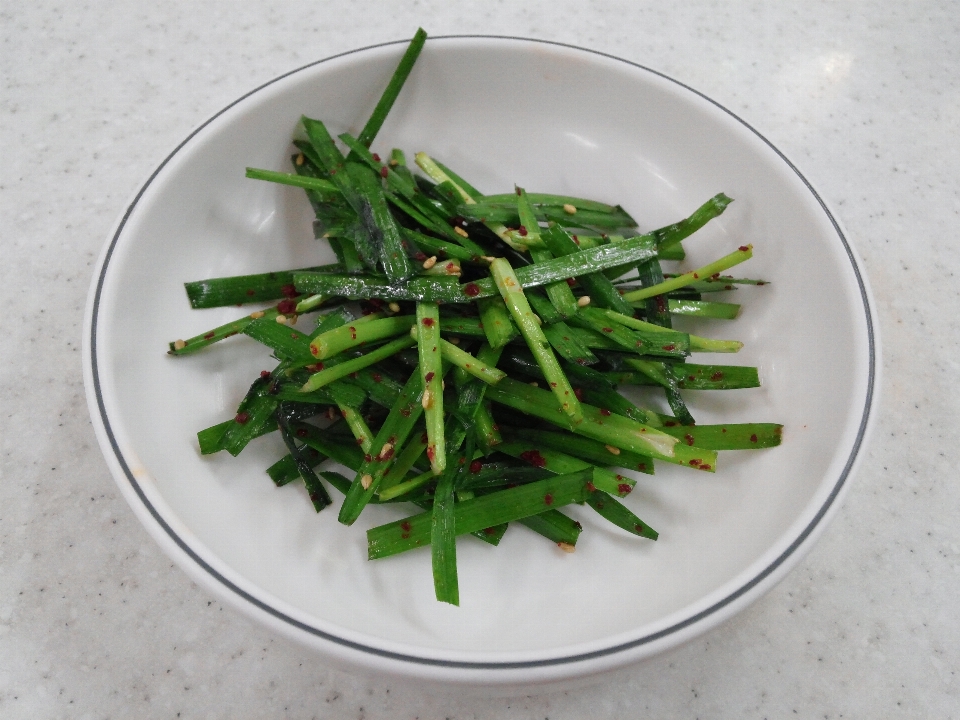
<point x="366" y="481"/>
<point x="454" y="341"/>
<point x="487" y="258"/>
<point x="282" y="319"/>
<point x="569" y="209"/>
<point x="461" y="232"/>
<point x="394" y="162"/>
<point x="387" y="449"/>
<point x="535" y="384"/>
<point x="179" y="344"/>
<point x="256" y="315"/>
<point x="394" y="307"/>
<point x="300" y="159"/>
<point x="613" y="450"/>
<point x="566" y="547"/>
<point x="427" y="401"/>
<point x="429" y="262"/>
<point x="537" y="319"/>
<point x="583" y="301"/>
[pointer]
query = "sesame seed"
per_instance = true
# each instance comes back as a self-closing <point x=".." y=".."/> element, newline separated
<point x="566" y="547"/>
<point x="569" y="209"/>
<point x="282" y="319"/>
<point x="256" y="315"/>
<point x="394" y="162"/>
<point x="460" y="231"/>
<point x="583" y="301"/>
<point x="429" y="262"/>
<point x="366" y="481"/>
<point x="179" y="345"/>
<point x="535" y="384"/>
<point x="387" y="448"/>
<point x="454" y="341"/>
<point x="487" y="258"/>
<point x="536" y="319"/>
<point x="300" y="159"/>
<point x="613" y="450"/>
<point x="427" y="401"/>
<point x="394" y="307"/>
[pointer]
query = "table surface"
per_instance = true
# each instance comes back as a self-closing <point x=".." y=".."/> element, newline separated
<point x="96" y="622"/>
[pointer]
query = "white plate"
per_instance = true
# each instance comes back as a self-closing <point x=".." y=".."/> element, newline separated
<point x="551" y="118"/>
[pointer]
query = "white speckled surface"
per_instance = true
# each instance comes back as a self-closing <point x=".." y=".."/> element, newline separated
<point x="94" y="620"/>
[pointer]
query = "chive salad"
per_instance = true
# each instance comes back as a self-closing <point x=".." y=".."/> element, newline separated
<point x="467" y="350"/>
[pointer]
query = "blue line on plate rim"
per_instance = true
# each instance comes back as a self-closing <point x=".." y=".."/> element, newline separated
<point x="766" y="572"/>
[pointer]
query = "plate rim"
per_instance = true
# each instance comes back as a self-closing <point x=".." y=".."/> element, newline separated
<point x="682" y="629"/>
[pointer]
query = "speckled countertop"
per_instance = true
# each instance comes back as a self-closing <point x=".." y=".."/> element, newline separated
<point x="95" y="622"/>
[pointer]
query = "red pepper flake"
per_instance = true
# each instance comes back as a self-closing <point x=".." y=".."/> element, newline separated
<point x="353" y="333"/>
<point x="669" y="423"/>
<point x="689" y="438"/>
<point x="431" y="453"/>
<point x="428" y="377"/>
<point x="242" y="418"/>
<point x="579" y="393"/>
<point x="604" y="412"/>
<point x="427" y="322"/>
<point x="471" y="290"/>
<point x="624" y="488"/>
<point x="642" y="467"/>
<point x="209" y="335"/>
<point x="548" y="499"/>
<point x="600" y="505"/>
<point x="571" y="282"/>
<point x="753" y="438"/>
<point x="286" y="307"/>
<point x="691" y="378"/>
<point x="376" y="157"/>
<point x="534" y="458"/>
<point x="420" y="257"/>
<point x="251" y="292"/>
<point x="608" y="330"/>
<point x="696" y="276"/>
<point x="289" y="291"/>
<point x="264" y="373"/>
<point x="423" y="439"/>
<point x="476" y="466"/>
<point x="576" y="239"/>
<point x="743" y="248"/>
<point x="661" y="304"/>
<point x="695" y="462"/>
<point x="384" y="456"/>
<point x="405" y="412"/>
<point x="717" y="376"/>
<point x="761" y="282"/>
<point x="489" y="531"/>
<point x="591" y="487"/>
<point x="522" y="230"/>
<point x="230" y="334"/>
<point x="705" y="466"/>
<point x="405" y="526"/>
<point x="302" y="432"/>
<point x="638" y="528"/>
<point x="383" y="172"/>
<point x="670" y="348"/>
<point x="314" y="350"/>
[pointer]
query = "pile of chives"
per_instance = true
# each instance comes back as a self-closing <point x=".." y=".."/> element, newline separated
<point x="468" y="350"/>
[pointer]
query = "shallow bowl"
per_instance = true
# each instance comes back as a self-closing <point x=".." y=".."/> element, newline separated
<point x="551" y="118"/>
